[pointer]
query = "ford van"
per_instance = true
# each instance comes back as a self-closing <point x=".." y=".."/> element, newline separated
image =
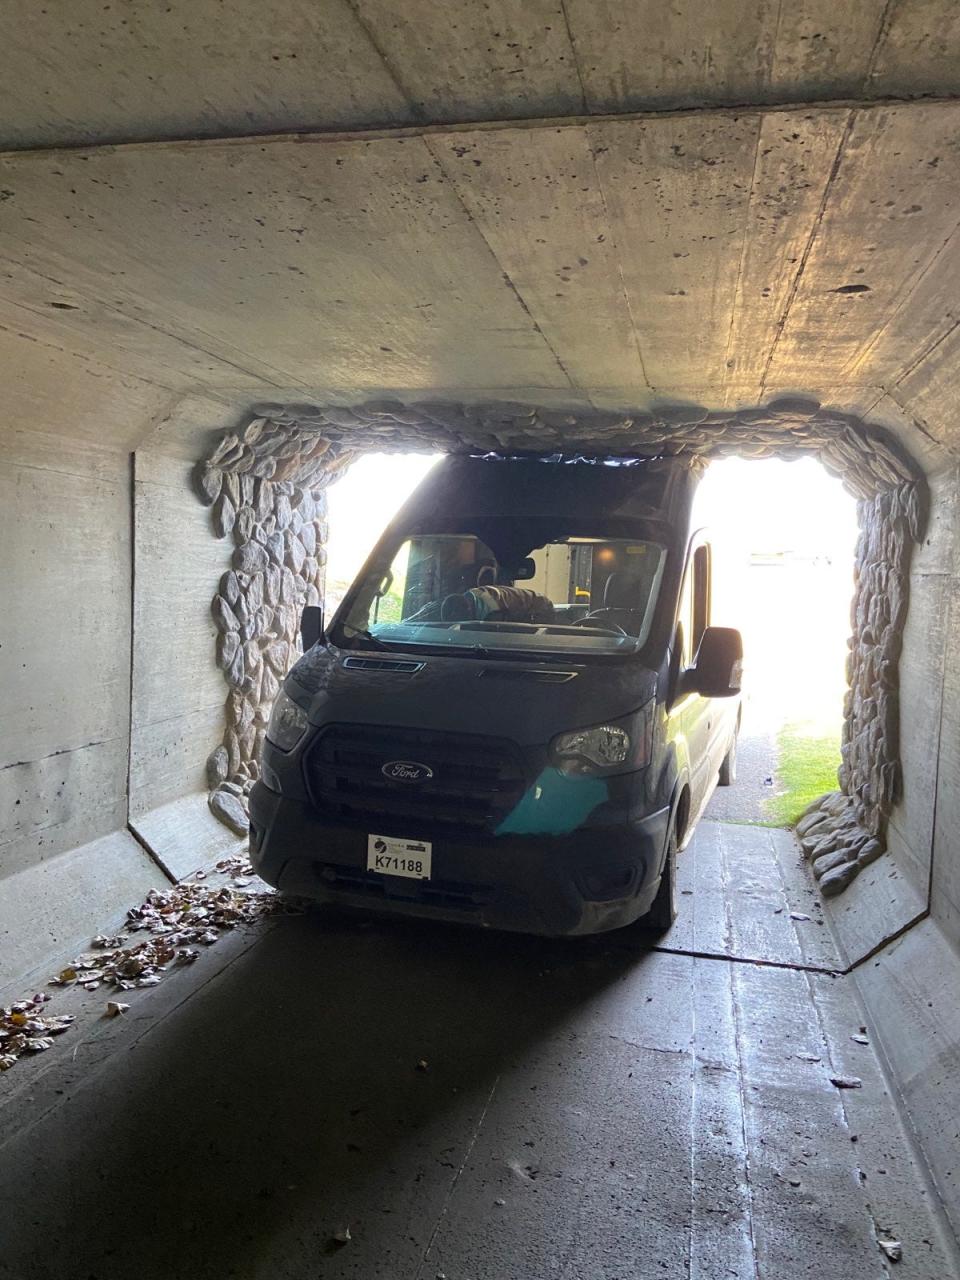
<point x="519" y="710"/>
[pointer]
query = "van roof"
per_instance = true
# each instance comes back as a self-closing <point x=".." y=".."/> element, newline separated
<point x="555" y="484"/>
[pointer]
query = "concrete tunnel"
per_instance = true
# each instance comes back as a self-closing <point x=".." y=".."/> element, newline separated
<point x="242" y="245"/>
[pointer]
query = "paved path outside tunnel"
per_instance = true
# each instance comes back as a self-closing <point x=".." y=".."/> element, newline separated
<point x="757" y="760"/>
<point x="588" y="1110"/>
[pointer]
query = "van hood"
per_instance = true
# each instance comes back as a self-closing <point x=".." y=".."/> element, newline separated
<point x="527" y="702"/>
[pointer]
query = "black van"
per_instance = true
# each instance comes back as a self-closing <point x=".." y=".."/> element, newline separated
<point x="519" y="711"/>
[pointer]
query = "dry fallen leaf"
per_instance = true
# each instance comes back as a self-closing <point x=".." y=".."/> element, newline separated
<point x="38" y="1043"/>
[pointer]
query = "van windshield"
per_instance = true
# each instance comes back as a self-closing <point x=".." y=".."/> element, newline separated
<point x="510" y="589"/>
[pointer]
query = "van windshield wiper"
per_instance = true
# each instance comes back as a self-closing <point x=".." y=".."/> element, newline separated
<point x="365" y="635"/>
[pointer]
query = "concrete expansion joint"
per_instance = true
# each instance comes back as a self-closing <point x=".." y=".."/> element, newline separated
<point x="318" y="135"/>
<point x="759" y="962"/>
<point x="152" y="853"/>
<point x="754" y="961"/>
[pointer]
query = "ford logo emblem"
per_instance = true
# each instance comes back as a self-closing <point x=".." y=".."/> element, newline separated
<point x="406" y="771"/>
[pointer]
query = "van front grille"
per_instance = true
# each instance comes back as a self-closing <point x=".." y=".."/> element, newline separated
<point x="475" y="781"/>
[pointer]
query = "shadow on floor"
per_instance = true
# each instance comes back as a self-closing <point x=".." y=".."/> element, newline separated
<point x="287" y="1099"/>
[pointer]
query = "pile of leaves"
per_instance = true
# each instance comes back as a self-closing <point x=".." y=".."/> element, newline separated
<point x="177" y="922"/>
<point x="25" y="1029"/>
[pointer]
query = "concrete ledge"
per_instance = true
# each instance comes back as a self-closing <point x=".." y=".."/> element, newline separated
<point x="184" y="835"/>
<point x="910" y="991"/>
<point x="50" y="911"/>
<point x="875" y="907"/>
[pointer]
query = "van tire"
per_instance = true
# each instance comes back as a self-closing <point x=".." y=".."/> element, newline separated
<point x="663" y="910"/>
<point x="728" y="768"/>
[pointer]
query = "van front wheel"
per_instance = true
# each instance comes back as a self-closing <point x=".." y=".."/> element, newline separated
<point x="663" y="911"/>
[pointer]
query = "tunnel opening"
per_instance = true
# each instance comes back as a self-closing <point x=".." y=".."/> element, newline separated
<point x="279" y="467"/>
<point x="783" y="541"/>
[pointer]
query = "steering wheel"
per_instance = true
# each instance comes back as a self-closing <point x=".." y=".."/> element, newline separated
<point x="599" y="624"/>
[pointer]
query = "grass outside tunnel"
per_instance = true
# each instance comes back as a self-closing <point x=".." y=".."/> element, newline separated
<point x="807" y="765"/>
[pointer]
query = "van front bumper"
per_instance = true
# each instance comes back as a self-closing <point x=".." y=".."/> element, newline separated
<point x="589" y="881"/>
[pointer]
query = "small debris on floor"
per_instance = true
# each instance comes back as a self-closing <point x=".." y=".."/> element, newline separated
<point x="115" y="1007"/>
<point x="342" y="1236"/>
<point x="236" y="865"/>
<point x="846" y="1082"/>
<point x="808" y="1057"/>
<point x="25" y="1029"/>
<point x="892" y="1248"/>
<point x="860" y="1039"/>
<point x="423" y="1065"/>
<point x="798" y="915"/>
<point x="500" y="1201"/>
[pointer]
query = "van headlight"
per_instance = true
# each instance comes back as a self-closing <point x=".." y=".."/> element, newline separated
<point x="619" y="746"/>
<point x="288" y="723"/>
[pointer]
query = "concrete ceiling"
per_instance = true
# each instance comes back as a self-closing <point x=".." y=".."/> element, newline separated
<point x="87" y="71"/>
<point x="717" y="254"/>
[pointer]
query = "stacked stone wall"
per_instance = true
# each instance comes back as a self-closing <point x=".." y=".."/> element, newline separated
<point x="266" y="492"/>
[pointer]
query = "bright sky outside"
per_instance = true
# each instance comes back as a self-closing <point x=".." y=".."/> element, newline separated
<point x="362" y="504"/>
<point x="783" y="533"/>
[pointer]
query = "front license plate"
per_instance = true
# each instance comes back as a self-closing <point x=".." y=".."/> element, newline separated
<point x="392" y="857"/>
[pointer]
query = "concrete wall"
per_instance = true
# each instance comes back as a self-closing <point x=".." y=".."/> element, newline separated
<point x="911" y="986"/>
<point x="924" y="670"/>
<point x="65" y="542"/>
<point x="178" y="694"/>
<point x="84" y="551"/>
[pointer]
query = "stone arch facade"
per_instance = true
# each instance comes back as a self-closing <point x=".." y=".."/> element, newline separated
<point x="265" y="485"/>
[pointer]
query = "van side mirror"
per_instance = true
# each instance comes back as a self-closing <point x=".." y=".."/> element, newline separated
<point x="718" y="670"/>
<point x="311" y="625"/>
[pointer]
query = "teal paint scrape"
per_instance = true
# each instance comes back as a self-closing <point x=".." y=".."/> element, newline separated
<point x="554" y="805"/>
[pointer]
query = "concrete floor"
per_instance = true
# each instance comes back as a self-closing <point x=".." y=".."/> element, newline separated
<point x="587" y="1110"/>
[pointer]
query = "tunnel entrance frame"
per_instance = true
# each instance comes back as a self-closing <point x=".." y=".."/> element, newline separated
<point x="266" y="487"/>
